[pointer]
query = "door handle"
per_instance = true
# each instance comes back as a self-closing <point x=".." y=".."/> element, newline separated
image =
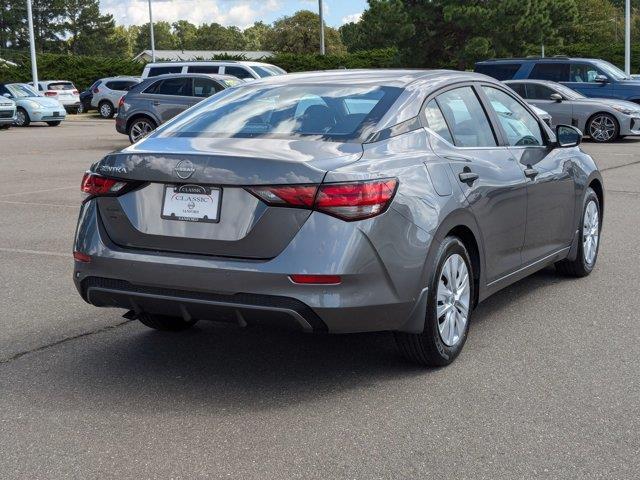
<point x="530" y="172"/>
<point x="468" y="177"/>
<point x="156" y="103"/>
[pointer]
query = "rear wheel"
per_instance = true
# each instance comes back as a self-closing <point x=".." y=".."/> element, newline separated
<point x="449" y="308"/>
<point x="139" y="128"/>
<point x="22" y="118"/>
<point x="589" y="239"/>
<point x="603" y="127"/>
<point x="165" y="323"/>
<point x="54" y="124"/>
<point x="106" y="110"/>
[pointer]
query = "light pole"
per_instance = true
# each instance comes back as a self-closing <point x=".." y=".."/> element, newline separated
<point x="320" y="9"/>
<point x="32" y="45"/>
<point x="153" y="41"/>
<point x="627" y="38"/>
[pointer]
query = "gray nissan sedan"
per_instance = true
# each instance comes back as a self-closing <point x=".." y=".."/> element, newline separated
<point x="346" y="201"/>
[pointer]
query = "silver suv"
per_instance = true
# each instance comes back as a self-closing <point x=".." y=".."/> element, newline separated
<point x="107" y="92"/>
<point x="161" y="98"/>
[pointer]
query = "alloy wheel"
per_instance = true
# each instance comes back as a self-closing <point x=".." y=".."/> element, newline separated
<point x="139" y="129"/>
<point x="106" y="110"/>
<point x="21" y="118"/>
<point x="602" y="128"/>
<point x="453" y="300"/>
<point x="590" y="232"/>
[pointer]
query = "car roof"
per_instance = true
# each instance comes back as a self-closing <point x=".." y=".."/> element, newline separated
<point x="55" y="81"/>
<point x="200" y="62"/>
<point x="215" y="76"/>
<point x="119" y="77"/>
<point x="555" y="58"/>
<point x="385" y="77"/>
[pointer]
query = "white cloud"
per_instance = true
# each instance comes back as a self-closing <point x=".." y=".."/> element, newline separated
<point x="243" y="13"/>
<point x="354" y="17"/>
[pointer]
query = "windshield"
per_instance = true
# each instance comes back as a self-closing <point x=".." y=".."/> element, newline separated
<point x="567" y="92"/>
<point x="327" y="112"/>
<point x="612" y="71"/>
<point x="263" y="72"/>
<point x="19" y="90"/>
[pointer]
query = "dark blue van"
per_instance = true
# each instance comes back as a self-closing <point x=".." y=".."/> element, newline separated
<point x="590" y="76"/>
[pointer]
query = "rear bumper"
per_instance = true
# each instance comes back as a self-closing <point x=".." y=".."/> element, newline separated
<point x="373" y="296"/>
<point x="121" y="125"/>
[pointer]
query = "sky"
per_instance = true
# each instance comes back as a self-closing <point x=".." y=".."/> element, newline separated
<point x="241" y="13"/>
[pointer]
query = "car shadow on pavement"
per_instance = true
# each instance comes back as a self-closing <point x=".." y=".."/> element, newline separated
<point x="230" y="369"/>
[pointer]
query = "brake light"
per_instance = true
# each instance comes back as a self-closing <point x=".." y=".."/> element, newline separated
<point x="81" y="257"/>
<point x="94" y="185"/>
<point x="121" y="102"/>
<point x="50" y="94"/>
<point x="348" y="201"/>
<point x="75" y="92"/>
<point x="96" y="90"/>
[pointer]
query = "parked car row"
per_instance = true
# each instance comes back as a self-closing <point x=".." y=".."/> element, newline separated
<point x="30" y="106"/>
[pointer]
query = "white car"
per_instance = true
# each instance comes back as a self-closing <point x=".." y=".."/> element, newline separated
<point x="243" y="70"/>
<point x="63" y="91"/>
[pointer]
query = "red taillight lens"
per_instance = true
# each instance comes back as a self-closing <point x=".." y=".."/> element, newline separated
<point x="287" y="195"/>
<point x="356" y="201"/>
<point x="96" y="90"/>
<point x="121" y="102"/>
<point x="50" y="94"/>
<point x="316" y="279"/>
<point x="93" y="185"/>
<point x="75" y="92"/>
<point x="348" y="201"/>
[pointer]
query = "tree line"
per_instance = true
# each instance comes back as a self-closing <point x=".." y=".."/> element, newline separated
<point x="434" y="33"/>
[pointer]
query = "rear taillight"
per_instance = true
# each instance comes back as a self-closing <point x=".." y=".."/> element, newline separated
<point x="348" y="201"/>
<point x="121" y="102"/>
<point x="50" y="94"/>
<point x="96" y="90"/>
<point x="94" y="185"/>
<point x="75" y="92"/>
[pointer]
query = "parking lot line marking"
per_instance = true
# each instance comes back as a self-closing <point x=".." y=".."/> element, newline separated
<point x="5" y="195"/>
<point x="39" y="204"/>
<point x="35" y="252"/>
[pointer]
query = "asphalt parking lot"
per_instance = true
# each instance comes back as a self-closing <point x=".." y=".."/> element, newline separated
<point x="548" y="385"/>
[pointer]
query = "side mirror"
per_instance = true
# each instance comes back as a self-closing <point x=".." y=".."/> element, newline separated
<point x="556" y="97"/>
<point x="568" y="136"/>
<point x="8" y="95"/>
<point x="601" y="79"/>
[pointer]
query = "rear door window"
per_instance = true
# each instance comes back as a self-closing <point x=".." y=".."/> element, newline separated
<point x="519" y="88"/>
<point x="155" y="71"/>
<point x="203" y="69"/>
<point x="499" y="71"/>
<point x="238" y="72"/>
<point x="554" y="71"/>
<point x="535" y="91"/>
<point x="466" y="118"/>
<point x="521" y="127"/>
<point x="181" y="86"/>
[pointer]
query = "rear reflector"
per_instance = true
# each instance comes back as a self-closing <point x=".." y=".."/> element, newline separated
<point x="81" y="257"/>
<point x="348" y="201"/>
<point x="316" y="279"/>
<point x="93" y="185"/>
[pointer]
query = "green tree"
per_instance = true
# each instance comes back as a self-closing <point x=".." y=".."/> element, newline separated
<point x="163" y="36"/>
<point x="217" y="37"/>
<point x="86" y="28"/>
<point x="300" y="33"/>
<point x="257" y="36"/>
<point x="186" y="34"/>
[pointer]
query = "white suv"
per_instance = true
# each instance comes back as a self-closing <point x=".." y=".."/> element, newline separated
<point x="63" y="91"/>
<point x="239" y="69"/>
<point x="107" y="92"/>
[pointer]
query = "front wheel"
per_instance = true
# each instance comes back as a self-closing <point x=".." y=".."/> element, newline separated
<point x="449" y="308"/>
<point x="589" y="239"/>
<point x="603" y="127"/>
<point x="53" y="124"/>
<point x="165" y="323"/>
<point x="22" y="118"/>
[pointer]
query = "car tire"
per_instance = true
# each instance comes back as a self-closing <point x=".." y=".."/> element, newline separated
<point x="54" y="124"/>
<point x="166" y="323"/>
<point x="22" y="118"/>
<point x="603" y="128"/>
<point x="588" y="239"/>
<point x="140" y="127"/>
<point x="434" y="347"/>
<point x="106" y="109"/>
<point x="80" y="109"/>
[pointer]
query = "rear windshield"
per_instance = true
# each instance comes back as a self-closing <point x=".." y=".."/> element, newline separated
<point x="328" y="112"/>
<point x="61" y="86"/>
